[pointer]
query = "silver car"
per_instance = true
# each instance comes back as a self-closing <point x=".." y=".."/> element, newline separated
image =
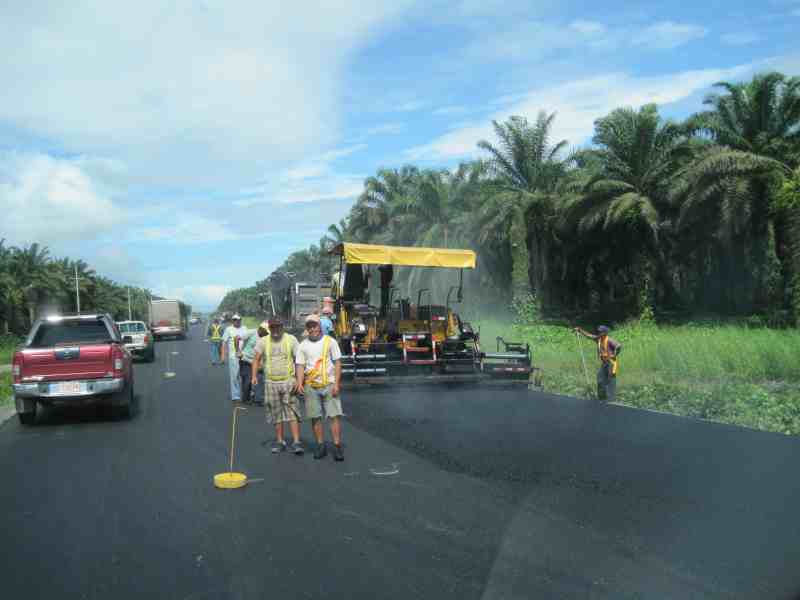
<point x="142" y="342"/>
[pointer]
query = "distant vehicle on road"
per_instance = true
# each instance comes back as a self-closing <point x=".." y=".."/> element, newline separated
<point x="169" y="318"/>
<point x="195" y="320"/>
<point x="143" y="343"/>
<point x="73" y="360"/>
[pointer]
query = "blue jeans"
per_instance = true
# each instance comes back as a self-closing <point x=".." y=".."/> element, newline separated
<point x="233" y="372"/>
<point x="215" y="346"/>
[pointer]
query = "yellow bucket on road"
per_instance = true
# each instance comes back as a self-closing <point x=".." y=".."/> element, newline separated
<point x="229" y="481"/>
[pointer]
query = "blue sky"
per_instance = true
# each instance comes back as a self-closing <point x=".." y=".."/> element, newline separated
<point x="191" y="146"/>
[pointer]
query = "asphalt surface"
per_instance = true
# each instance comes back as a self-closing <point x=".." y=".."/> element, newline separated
<point x="445" y="493"/>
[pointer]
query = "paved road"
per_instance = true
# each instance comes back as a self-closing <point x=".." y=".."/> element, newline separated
<point x="495" y="496"/>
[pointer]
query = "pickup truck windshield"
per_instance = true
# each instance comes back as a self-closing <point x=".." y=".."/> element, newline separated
<point x="131" y="327"/>
<point x="70" y="332"/>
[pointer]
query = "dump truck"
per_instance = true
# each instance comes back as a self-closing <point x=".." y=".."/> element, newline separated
<point x="169" y="318"/>
<point x="413" y="339"/>
<point x="293" y="300"/>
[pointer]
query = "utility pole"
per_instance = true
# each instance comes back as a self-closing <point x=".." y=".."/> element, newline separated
<point x="130" y="314"/>
<point x="77" y="291"/>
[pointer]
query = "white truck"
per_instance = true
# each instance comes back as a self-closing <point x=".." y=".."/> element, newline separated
<point x="169" y="318"/>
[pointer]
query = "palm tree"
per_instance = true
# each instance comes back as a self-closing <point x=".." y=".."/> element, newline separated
<point x="527" y="169"/>
<point x="754" y="134"/>
<point x="337" y="233"/>
<point x="31" y="271"/>
<point x="377" y="214"/>
<point x="637" y="158"/>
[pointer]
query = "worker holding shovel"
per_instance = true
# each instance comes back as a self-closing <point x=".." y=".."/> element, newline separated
<point x="608" y="350"/>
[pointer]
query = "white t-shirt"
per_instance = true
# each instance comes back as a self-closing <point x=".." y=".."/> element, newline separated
<point x="231" y="333"/>
<point x="309" y="354"/>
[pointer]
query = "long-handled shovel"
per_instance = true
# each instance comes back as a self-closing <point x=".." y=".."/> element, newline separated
<point x="589" y="393"/>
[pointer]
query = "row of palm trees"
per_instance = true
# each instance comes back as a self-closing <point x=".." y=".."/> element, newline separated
<point x="33" y="282"/>
<point x="698" y="215"/>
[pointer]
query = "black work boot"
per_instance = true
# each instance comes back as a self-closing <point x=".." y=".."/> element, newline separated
<point x="338" y="453"/>
<point x="321" y="451"/>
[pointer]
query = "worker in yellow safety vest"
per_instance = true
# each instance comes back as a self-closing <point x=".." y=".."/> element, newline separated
<point x="319" y="378"/>
<point x="608" y="350"/>
<point x="278" y="350"/>
<point x="214" y="336"/>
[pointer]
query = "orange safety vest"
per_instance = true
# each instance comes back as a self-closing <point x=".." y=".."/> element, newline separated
<point x="320" y="367"/>
<point x="605" y="355"/>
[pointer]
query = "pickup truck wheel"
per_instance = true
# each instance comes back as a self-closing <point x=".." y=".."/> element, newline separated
<point x="124" y="411"/>
<point x="28" y="418"/>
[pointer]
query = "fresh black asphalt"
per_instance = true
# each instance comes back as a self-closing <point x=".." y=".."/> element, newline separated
<point x="445" y="493"/>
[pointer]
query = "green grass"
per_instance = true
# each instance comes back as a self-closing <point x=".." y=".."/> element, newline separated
<point x="8" y="343"/>
<point x="727" y="373"/>
<point x="5" y="389"/>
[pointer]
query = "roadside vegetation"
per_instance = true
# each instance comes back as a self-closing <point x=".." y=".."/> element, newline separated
<point x="8" y="343"/>
<point x="5" y="388"/>
<point x="32" y="282"/>
<point x="733" y="373"/>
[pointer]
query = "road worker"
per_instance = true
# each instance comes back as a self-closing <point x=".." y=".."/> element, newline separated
<point x="319" y="376"/>
<point x="232" y="344"/>
<point x="278" y="351"/>
<point x="246" y="371"/>
<point x="326" y="319"/>
<point x="214" y="336"/>
<point x="608" y="350"/>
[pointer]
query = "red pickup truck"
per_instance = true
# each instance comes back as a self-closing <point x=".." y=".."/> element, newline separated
<point x="71" y="360"/>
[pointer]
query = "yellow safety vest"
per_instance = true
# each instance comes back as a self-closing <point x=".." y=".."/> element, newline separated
<point x="268" y="360"/>
<point x="605" y="356"/>
<point x="322" y="364"/>
<point x="216" y="332"/>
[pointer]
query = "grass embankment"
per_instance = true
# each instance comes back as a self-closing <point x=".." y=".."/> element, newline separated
<point x="8" y="344"/>
<point x="726" y="373"/>
<point x="5" y="388"/>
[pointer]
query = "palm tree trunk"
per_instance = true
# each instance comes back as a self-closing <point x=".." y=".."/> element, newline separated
<point x="520" y="286"/>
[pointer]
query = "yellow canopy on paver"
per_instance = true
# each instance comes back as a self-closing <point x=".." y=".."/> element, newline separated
<point x="409" y="256"/>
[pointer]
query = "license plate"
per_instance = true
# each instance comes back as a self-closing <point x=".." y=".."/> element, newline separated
<point x="65" y="388"/>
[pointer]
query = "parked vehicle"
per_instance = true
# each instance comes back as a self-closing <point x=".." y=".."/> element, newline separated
<point x="143" y="343"/>
<point x="169" y="318"/>
<point x="73" y="360"/>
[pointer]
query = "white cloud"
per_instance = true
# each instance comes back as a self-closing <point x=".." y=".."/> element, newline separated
<point x="410" y="106"/>
<point x="451" y="110"/>
<point x="742" y="38"/>
<point x="183" y="90"/>
<point x="187" y="229"/>
<point x="333" y="155"/>
<point x="587" y="27"/>
<point x="309" y="181"/>
<point x="385" y="129"/>
<point x="327" y="185"/>
<point x="577" y="105"/>
<point x="202" y="296"/>
<point x="45" y="199"/>
<point x="667" y="35"/>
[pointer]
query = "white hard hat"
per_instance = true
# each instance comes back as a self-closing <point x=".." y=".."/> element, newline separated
<point x="236" y="317"/>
